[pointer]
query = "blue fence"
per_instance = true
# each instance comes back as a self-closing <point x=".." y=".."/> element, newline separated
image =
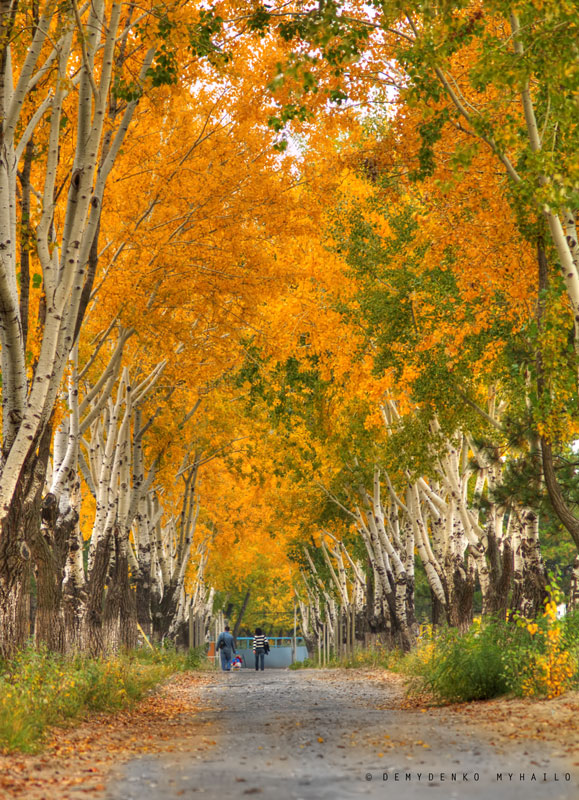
<point x="281" y="653"/>
<point x="277" y="658"/>
<point x="274" y="641"/>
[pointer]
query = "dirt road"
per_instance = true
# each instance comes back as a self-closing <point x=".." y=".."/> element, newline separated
<point x="286" y="735"/>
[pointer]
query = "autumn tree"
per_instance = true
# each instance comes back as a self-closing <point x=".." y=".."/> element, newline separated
<point x="62" y="129"/>
<point x="486" y="71"/>
<point x="70" y="86"/>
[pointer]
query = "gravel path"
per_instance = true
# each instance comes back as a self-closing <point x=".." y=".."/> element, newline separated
<point x="312" y="734"/>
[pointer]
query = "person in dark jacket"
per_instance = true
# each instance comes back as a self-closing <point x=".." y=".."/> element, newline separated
<point x="260" y="648"/>
<point x="225" y="645"/>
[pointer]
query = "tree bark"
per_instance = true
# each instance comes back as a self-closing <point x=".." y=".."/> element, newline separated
<point x="459" y="606"/>
<point x="437" y="610"/>
<point x="92" y="633"/>
<point x="529" y="578"/>
<point x="501" y="574"/>
<point x="574" y="587"/>
<point x="120" y="613"/>
<point x="558" y="502"/>
<point x="50" y="548"/>
<point x="18" y="529"/>
<point x="240" y="615"/>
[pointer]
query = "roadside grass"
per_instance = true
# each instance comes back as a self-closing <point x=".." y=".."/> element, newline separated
<point x="520" y="657"/>
<point x="39" y="689"/>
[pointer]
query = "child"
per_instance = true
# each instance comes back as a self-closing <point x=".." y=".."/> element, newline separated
<point x="236" y="663"/>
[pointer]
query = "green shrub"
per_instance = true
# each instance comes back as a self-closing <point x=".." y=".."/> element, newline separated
<point x="195" y="659"/>
<point x="570" y="627"/>
<point x="545" y="662"/>
<point x="527" y="658"/>
<point x="571" y="642"/>
<point x="307" y="663"/>
<point x="468" y="666"/>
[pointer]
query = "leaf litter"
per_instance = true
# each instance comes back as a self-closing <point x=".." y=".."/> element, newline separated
<point x="77" y="761"/>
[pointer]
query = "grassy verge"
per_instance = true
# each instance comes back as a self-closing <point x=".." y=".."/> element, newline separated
<point x="525" y="658"/>
<point x="522" y="657"/>
<point x="39" y="689"/>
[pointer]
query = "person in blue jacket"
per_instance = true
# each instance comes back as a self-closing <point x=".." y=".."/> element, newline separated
<point x="225" y="645"/>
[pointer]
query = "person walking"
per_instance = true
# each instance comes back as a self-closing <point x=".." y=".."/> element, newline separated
<point x="225" y="646"/>
<point x="260" y="648"/>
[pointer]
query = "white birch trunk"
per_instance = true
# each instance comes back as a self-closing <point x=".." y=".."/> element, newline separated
<point x="27" y="409"/>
